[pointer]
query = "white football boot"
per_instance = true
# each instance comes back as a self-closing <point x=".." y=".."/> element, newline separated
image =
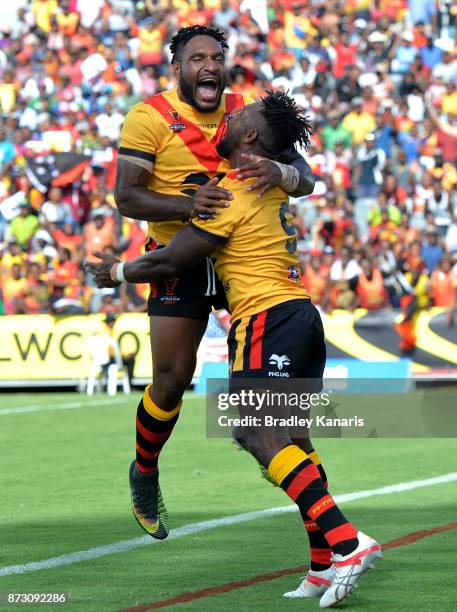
<point x="314" y="584"/>
<point x="349" y="569"/>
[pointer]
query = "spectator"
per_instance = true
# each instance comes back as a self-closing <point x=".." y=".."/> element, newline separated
<point x="359" y="123"/>
<point x="370" y="163"/>
<point x="315" y="280"/>
<point x="34" y="297"/>
<point x="430" y="54"/>
<point x="7" y="149"/>
<point x="370" y="290"/>
<point x="440" y="207"/>
<point x="54" y="212"/>
<point x="335" y="132"/>
<point x="443" y="284"/>
<point x="403" y="53"/>
<point x="98" y="234"/>
<point x="109" y="123"/>
<point x="343" y="275"/>
<point x="13" y="286"/>
<point x="150" y="52"/>
<point x="23" y="227"/>
<point x="432" y="251"/>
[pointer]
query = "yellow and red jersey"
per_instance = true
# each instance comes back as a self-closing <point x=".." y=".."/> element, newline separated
<point x="257" y="260"/>
<point x="177" y="143"/>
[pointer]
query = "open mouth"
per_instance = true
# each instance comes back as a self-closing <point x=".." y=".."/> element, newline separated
<point x="208" y="89"/>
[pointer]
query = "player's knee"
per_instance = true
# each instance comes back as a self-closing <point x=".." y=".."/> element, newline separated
<point x="169" y="385"/>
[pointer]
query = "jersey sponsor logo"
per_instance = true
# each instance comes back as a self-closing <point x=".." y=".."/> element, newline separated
<point x="208" y="126"/>
<point x="176" y="126"/>
<point x="279" y="361"/>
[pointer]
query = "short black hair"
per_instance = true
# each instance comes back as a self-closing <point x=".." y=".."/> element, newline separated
<point x="182" y="37"/>
<point x="287" y="125"/>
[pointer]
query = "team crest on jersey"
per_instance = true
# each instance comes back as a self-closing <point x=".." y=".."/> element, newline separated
<point x="294" y="273"/>
<point x="176" y="126"/>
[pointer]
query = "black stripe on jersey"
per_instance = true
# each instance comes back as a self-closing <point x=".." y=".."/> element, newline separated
<point x="134" y="153"/>
<point x="208" y="235"/>
<point x="231" y="340"/>
<point x="247" y="343"/>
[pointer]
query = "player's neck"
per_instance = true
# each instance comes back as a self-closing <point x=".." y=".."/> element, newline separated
<point x="236" y="159"/>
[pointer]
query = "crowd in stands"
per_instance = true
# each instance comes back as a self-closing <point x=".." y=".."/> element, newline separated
<point x="377" y="78"/>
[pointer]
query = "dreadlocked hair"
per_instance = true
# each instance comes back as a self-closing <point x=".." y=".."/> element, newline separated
<point x="182" y="37"/>
<point x="287" y="124"/>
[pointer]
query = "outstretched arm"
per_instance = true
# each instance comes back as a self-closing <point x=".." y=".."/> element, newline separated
<point x="440" y="124"/>
<point x="186" y="249"/>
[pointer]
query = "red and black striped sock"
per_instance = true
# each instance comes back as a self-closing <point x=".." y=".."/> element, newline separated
<point x="319" y="550"/>
<point x="297" y="475"/>
<point x="153" y="428"/>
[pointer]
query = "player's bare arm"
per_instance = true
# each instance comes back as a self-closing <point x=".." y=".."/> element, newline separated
<point x="135" y="200"/>
<point x="291" y="171"/>
<point x="185" y="250"/>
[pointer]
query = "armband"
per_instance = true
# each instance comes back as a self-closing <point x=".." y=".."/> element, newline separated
<point x="290" y="177"/>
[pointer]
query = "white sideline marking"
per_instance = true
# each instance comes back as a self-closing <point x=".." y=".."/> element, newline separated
<point x="80" y="404"/>
<point x="67" y="406"/>
<point x="185" y="530"/>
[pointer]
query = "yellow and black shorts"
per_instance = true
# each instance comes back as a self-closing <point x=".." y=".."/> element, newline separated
<point x="285" y="341"/>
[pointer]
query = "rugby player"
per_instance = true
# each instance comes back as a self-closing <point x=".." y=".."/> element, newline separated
<point x="256" y="259"/>
<point x="167" y="156"/>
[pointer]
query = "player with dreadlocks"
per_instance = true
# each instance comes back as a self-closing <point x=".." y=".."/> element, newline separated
<point x="275" y="329"/>
<point x="167" y="174"/>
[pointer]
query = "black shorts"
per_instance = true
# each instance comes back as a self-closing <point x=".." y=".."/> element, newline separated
<point x="192" y="295"/>
<point x="283" y="342"/>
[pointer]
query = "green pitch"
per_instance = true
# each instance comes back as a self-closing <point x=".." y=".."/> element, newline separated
<point x="64" y="489"/>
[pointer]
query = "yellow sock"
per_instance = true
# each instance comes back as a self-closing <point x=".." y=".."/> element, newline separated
<point x="285" y="461"/>
<point x="155" y="411"/>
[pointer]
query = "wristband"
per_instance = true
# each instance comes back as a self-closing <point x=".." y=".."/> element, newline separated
<point x="290" y="177"/>
<point x="117" y="272"/>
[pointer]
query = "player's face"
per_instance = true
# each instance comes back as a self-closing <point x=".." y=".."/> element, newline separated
<point x="238" y="124"/>
<point x="201" y="73"/>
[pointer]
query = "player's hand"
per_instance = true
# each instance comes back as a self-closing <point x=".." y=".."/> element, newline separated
<point x="209" y="198"/>
<point x="268" y="173"/>
<point x="101" y="271"/>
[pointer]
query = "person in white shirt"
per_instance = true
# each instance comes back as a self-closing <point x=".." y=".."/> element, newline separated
<point x="54" y="210"/>
<point x="343" y="277"/>
<point x="109" y="123"/>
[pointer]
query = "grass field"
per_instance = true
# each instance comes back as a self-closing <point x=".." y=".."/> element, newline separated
<point x="63" y="478"/>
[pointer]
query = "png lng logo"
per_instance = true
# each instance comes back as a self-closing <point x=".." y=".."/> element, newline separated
<point x="279" y="362"/>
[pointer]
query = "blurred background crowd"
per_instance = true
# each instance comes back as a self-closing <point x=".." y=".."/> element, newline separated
<point x="378" y="79"/>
